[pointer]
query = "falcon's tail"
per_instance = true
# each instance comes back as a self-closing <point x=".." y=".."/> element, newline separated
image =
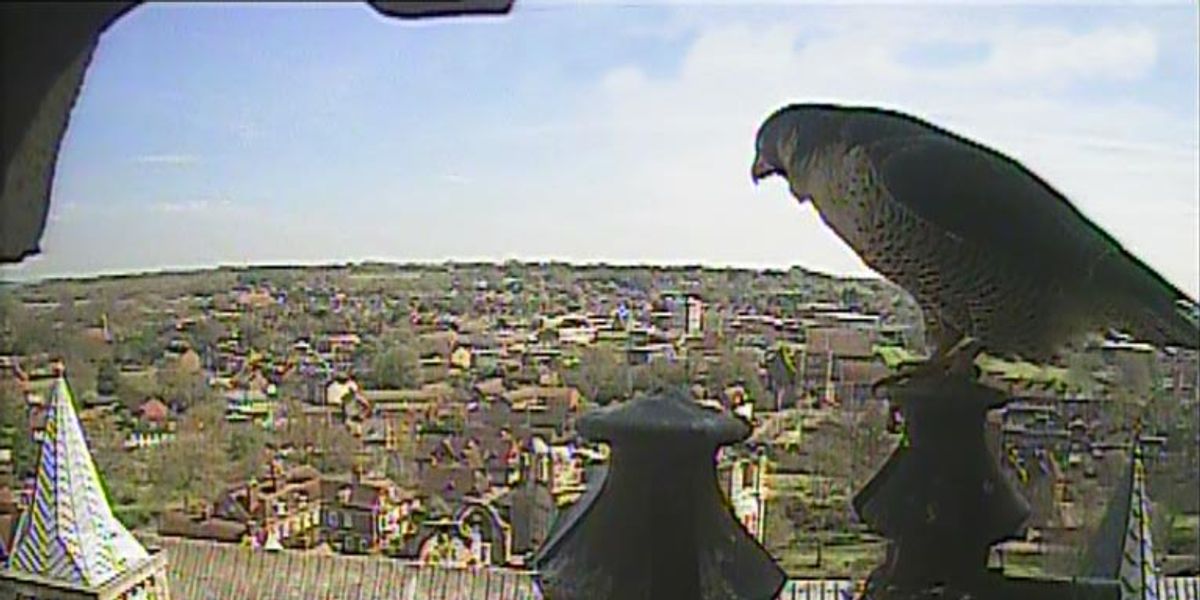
<point x="1189" y="312"/>
<point x="1154" y="310"/>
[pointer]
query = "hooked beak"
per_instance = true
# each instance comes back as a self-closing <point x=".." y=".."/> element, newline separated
<point x="761" y="170"/>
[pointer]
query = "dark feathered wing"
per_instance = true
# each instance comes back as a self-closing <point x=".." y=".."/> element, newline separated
<point x="994" y="203"/>
<point x="1153" y="309"/>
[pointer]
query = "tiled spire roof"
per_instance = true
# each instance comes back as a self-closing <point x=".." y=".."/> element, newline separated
<point x="1138" y="575"/>
<point x="69" y="532"/>
<point x="1123" y="549"/>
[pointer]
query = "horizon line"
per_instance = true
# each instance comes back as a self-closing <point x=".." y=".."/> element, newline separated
<point x="7" y="279"/>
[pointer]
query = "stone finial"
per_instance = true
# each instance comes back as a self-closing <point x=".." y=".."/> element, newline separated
<point x="657" y="525"/>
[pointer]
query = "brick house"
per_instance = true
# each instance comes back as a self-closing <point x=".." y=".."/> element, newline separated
<point x="363" y="516"/>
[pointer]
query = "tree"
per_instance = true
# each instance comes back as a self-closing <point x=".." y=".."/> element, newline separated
<point x="869" y="444"/>
<point x="600" y="375"/>
<point x="782" y="375"/>
<point x="14" y="429"/>
<point x="107" y="378"/>
<point x="206" y="333"/>
<point x="194" y="467"/>
<point x="28" y="334"/>
<point x="8" y="306"/>
<point x="713" y="325"/>
<point x="133" y="390"/>
<point x="322" y="443"/>
<point x="396" y="368"/>
<point x="736" y="366"/>
<point x="661" y="376"/>
<point x="246" y="449"/>
<point x="246" y="329"/>
<point x="780" y="531"/>
<point x="120" y="472"/>
<point x="82" y="375"/>
<point x="143" y="346"/>
<point x="182" y="389"/>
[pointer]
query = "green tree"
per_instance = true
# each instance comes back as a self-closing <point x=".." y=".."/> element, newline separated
<point x="133" y="390"/>
<point x="660" y="376"/>
<point x="250" y="330"/>
<point x="107" y="378"/>
<point x="121" y="473"/>
<point x="737" y="366"/>
<point x="25" y="332"/>
<point x="868" y="442"/>
<point x="194" y="467"/>
<point x="14" y="429"/>
<point x="246" y="450"/>
<point x="182" y="389"/>
<point x="397" y="367"/>
<point x="142" y="346"/>
<point x="781" y="373"/>
<point x="9" y="317"/>
<point x="600" y="375"/>
<point x="318" y="440"/>
<point x="206" y="333"/>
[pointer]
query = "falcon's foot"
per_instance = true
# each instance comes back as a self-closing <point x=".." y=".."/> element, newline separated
<point x="958" y="360"/>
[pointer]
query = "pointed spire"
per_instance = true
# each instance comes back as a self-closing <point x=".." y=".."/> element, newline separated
<point x="1123" y="549"/>
<point x="1138" y="576"/>
<point x="69" y="533"/>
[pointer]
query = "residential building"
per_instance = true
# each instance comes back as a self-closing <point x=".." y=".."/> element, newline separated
<point x="282" y="508"/>
<point x="362" y="516"/>
<point x="743" y="479"/>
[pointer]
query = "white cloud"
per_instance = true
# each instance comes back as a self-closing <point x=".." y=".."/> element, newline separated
<point x="193" y="207"/>
<point x="1113" y="53"/>
<point x="1131" y="166"/>
<point x="187" y="206"/>
<point x="166" y="159"/>
<point x="656" y="168"/>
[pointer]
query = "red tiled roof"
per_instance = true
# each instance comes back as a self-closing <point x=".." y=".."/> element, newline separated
<point x="177" y="524"/>
<point x="154" y="410"/>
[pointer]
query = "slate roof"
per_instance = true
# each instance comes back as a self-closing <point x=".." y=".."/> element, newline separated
<point x="204" y="570"/>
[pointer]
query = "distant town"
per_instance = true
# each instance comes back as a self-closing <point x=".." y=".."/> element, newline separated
<point x="426" y="412"/>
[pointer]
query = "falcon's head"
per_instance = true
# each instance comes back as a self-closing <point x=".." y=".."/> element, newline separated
<point x="787" y="138"/>
<point x="767" y="161"/>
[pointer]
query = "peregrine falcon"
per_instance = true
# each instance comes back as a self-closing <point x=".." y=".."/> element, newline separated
<point x="997" y="259"/>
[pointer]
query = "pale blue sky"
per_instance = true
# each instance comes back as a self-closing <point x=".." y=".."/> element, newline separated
<point x="618" y="131"/>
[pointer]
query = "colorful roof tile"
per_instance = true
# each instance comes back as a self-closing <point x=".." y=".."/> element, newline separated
<point x="69" y="532"/>
<point x="1123" y="548"/>
<point x="1138" y="575"/>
